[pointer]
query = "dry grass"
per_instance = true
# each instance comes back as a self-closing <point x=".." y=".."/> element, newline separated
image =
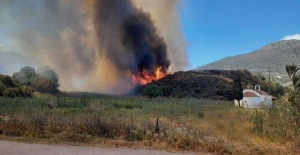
<point x="185" y="124"/>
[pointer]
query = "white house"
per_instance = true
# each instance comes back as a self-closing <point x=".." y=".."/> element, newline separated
<point x="254" y="98"/>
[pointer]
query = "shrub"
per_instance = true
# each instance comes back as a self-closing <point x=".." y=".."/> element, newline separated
<point x="8" y="81"/>
<point x="44" y="85"/>
<point x="2" y="88"/>
<point x="26" y="91"/>
<point x="167" y="91"/>
<point x="152" y="91"/>
<point x="96" y="126"/>
<point x="258" y="122"/>
<point x="44" y="81"/>
<point x="200" y="114"/>
<point x="14" y="128"/>
<point x="134" y="134"/>
<point x="22" y="91"/>
<point x="11" y="92"/>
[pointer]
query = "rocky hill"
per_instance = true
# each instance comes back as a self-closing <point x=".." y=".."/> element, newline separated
<point x="272" y="57"/>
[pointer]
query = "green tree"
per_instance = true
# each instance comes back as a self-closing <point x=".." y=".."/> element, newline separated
<point x="8" y="81"/>
<point x="48" y="73"/>
<point x="44" y="85"/>
<point x="237" y="89"/>
<point x="25" y="75"/>
<point x="152" y="91"/>
<point x="294" y="95"/>
<point x="45" y="80"/>
<point x="2" y="88"/>
<point x="292" y="70"/>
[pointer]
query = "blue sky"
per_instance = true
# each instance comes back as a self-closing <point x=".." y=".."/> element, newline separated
<point x="215" y="29"/>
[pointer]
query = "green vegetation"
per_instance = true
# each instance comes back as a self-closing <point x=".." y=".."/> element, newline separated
<point x="9" y="87"/>
<point x="152" y="91"/>
<point x="237" y="89"/>
<point x="45" y="80"/>
<point x="188" y="124"/>
<point x="26" y="81"/>
<point x="213" y="84"/>
<point x="293" y="94"/>
<point x="185" y="124"/>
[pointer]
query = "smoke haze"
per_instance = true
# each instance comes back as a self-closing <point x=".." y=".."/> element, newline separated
<point x="97" y="45"/>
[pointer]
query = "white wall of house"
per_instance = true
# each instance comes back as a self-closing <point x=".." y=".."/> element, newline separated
<point x="267" y="100"/>
<point x="254" y="101"/>
<point x="251" y="102"/>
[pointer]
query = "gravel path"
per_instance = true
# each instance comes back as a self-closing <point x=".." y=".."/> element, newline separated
<point x="17" y="148"/>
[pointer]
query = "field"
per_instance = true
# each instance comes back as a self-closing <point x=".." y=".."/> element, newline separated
<point x="185" y="124"/>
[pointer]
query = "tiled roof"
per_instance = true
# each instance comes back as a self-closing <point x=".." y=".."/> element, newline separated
<point x="262" y="92"/>
<point x="249" y="94"/>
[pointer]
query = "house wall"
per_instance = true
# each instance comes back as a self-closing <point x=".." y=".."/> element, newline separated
<point x="251" y="102"/>
<point x="254" y="102"/>
<point x="267" y="100"/>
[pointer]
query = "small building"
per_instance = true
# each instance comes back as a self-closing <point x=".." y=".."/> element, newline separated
<point x="254" y="98"/>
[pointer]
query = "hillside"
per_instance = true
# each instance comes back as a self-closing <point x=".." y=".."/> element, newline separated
<point x="214" y="84"/>
<point x="273" y="56"/>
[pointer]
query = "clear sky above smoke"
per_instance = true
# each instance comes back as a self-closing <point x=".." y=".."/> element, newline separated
<point x="215" y="29"/>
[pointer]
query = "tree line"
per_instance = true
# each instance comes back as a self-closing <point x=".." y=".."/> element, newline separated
<point x="27" y="81"/>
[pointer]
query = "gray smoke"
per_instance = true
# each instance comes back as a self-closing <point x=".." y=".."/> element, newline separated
<point x="95" y="45"/>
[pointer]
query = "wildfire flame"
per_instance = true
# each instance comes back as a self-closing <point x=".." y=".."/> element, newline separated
<point x="145" y="77"/>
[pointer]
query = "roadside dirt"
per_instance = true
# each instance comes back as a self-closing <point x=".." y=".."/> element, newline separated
<point x="18" y="148"/>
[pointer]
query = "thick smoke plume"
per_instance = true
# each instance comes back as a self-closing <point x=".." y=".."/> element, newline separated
<point x="97" y="45"/>
<point x="140" y="38"/>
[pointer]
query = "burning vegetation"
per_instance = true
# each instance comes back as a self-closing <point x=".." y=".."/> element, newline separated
<point x="142" y="52"/>
<point x="107" y="46"/>
<point x="146" y="77"/>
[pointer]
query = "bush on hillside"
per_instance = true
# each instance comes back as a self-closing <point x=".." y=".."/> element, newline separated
<point x="152" y="91"/>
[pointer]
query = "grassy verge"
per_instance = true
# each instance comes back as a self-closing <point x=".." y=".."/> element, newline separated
<point x="184" y="124"/>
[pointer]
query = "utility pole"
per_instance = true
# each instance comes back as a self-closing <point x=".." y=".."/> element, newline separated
<point x="269" y="89"/>
<point x="269" y="77"/>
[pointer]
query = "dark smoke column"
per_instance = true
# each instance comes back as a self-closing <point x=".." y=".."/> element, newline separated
<point x="129" y="39"/>
<point x="140" y="38"/>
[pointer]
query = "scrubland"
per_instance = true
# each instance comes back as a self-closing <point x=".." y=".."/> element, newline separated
<point x="185" y="124"/>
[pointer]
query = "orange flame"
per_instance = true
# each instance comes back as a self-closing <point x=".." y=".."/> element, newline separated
<point x="146" y="78"/>
<point x="157" y="73"/>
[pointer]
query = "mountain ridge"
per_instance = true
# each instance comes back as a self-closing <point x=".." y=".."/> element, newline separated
<point x="272" y="58"/>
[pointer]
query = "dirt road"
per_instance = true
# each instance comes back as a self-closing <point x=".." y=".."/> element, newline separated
<point x="17" y="148"/>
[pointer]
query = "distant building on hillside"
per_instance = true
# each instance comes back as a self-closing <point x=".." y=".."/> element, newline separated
<point x="254" y="98"/>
